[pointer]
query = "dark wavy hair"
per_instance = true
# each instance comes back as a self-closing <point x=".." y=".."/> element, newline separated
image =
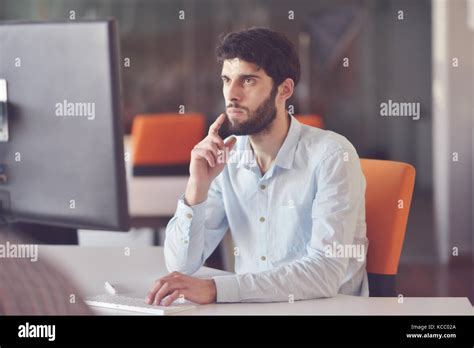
<point x="269" y="50"/>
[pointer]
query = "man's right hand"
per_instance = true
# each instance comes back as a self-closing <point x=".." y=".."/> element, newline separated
<point x="208" y="159"/>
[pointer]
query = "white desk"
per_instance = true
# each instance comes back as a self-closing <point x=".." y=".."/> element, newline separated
<point x="152" y="202"/>
<point x="90" y="267"/>
<point x="155" y="196"/>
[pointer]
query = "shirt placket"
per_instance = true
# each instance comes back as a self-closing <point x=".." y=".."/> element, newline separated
<point x="263" y="221"/>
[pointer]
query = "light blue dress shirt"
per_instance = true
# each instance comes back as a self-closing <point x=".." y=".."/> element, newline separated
<point x="299" y="230"/>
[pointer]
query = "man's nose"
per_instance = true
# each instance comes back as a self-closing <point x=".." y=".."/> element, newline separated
<point x="234" y="92"/>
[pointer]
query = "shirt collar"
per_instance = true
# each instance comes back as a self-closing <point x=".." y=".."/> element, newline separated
<point x="285" y="155"/>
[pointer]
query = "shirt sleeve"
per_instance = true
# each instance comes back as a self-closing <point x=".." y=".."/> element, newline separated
<point x="195" y="231"/>
<point x="335" y="209"/>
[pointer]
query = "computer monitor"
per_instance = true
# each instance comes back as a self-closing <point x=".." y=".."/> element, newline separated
<point x="61" y="139"/>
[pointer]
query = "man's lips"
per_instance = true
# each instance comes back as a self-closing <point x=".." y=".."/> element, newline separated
<point x="235" y="111"/>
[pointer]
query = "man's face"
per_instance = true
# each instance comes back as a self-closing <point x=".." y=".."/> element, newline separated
<point x="249" y="97"/>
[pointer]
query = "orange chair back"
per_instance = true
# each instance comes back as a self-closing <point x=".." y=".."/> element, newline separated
<point x="166" y="139"/>
<point x="311" y="120"/>
<point x="387" y="200"/>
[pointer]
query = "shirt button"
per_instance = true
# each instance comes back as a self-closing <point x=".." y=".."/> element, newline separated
<point x="263" y="258"/>
<point x="263" y="187"/>
<point x="262" y="219"/>
<point x="189" y="215"/>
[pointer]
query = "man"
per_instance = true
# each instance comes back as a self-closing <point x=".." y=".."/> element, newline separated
<point x="290" y="194"/>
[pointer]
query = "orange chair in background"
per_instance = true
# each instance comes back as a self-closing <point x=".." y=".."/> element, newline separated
<point x="311" y="120"/>
<point x="162" y="143"/>
<point x="387" y="199"/>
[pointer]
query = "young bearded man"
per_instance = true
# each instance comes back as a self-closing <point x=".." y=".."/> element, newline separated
<point x="291" y="194"/>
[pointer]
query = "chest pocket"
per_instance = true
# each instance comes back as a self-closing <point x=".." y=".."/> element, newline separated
<point x="291" y="231"/>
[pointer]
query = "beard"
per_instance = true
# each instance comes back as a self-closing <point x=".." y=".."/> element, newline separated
<point x="258" y="120"/>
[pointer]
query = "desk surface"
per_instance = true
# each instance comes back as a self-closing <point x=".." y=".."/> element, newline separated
<point x="90" y="267"/>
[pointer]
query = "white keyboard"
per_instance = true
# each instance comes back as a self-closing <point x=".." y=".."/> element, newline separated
<point x="133" y="304"/>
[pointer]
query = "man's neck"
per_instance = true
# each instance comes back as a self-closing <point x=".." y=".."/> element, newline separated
<point x="266" y="144"/>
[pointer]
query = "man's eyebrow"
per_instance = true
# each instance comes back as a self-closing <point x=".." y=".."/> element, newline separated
<point x="243" y="76"/>
<point x="249" y="76"/>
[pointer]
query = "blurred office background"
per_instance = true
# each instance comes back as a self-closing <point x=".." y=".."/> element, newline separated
<point x="355" y="55"/>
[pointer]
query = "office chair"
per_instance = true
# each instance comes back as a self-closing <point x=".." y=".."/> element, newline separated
<point x="387" y="200"/>
<point x="311" y="120"/>
<point x="162" y="143"/>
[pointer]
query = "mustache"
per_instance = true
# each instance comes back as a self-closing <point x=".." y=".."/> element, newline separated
<point x="237" y="106"/>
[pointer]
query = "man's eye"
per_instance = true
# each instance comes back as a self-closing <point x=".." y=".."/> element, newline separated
<point x="248" y="81"/>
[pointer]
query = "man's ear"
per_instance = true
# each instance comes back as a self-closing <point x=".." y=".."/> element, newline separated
<point x="286" y="89"/>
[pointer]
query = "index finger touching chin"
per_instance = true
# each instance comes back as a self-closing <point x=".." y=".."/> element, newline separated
<point x="214" y="128"/>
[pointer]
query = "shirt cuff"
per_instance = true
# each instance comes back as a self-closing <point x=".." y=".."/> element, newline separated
<point x="189" y="214"/>
<point x="227" y="288"/>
